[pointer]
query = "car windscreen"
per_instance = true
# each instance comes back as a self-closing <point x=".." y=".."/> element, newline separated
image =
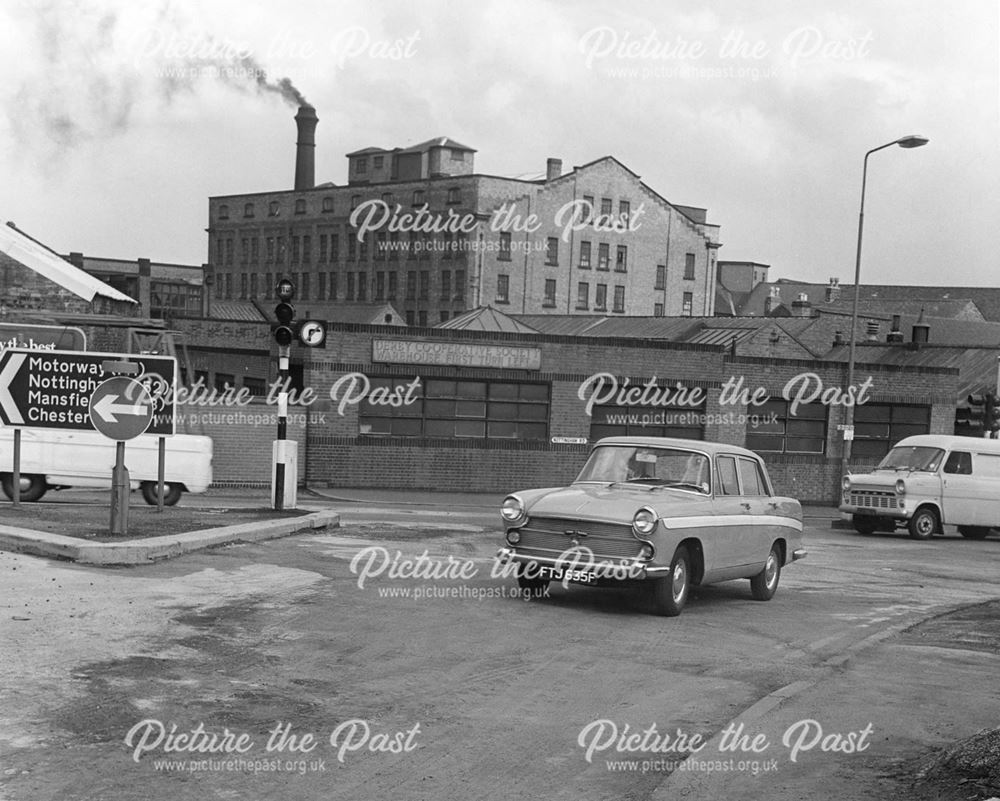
<point x="909" y="457"/>
<point x="671" y="467"/>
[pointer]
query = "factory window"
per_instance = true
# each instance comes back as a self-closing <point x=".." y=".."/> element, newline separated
<point x="377" y="162"/>
<point x="588" y="208"/>
<point x="334" y="247"/>
<point x="380" y="246"/>
<point x="879" y="426"/>
<point x="281" y="249"/>
<point x="389" y="199"/>
<point x="503" y="288"/>
<point x="362" y="286"/>
<point x="394" y="246"/>
<point x="224" y="381"/>
<point x="412" y="245"/>
<point x="244" y="250"/>
<point x="175" y="299"/>
<point x="774" y="428"/>
<point x="621" y="259"/>
<point x="411" y="286"/>
<point x="361" y="166"/>
<point x="552" y="251"/>
<point x="549" y="299"/>
<point x="601" y="297"/>
<point x="321" y="288"/>
<point x="393" y="281"/>
<point x="257" y="387"/>
<point x="688" y="266"/>
<point x="323" y="249"/>
<point x="582" y="296"/>
<point x="243" y="286"/>
<point x="661" y="277"/>
<point x="304" y="286"/>
<point x="624" y="210"/>
<point x="425" y="285"/>
<point x="460" y="285"/>
<point x="687" y="304"/>
<point x="605" y="210"/>
<point x="380" y="285"/>
<point x="327" y="204"/>
<point x="446" y="285"/>
<point x="296" y="244"/>
<point x="619" y="302"/>
<point x="229" y="251"/>
<point x="684" y="422"/>
<point x="355" y="201"/>
<point x="603" y="256"/>
<point x="333" y="286"/>
<point x="253" y="285"/>
<point x="352" y="247"/>
<point x="306" y="248"/>
<point x="223" y="212"/>
<point x="447" y="245"/>
<point x="585" y="255"/>
<point x="411" y="320"/>
<point x="350" y="287"/>
<point x="248" y="210"/>
<point x="418" y="197"/>
<point x="363" y="248"/>
<point x="657" y="309"/>
<point x="229" y="286"/>
<point x="443" y="316"/>
<point x="300" y="206"/>
<point x="422" y="319"/>
<point x="504" y="252"/>
<point x="458" y="409"/>
<point x="255" y="249"/>
<point x="270" y="248"/>
<point x="268" y="283"/>
<point x="219" y="286"/>
<point x="273" y="208"/>
<point x="454" y="195"/>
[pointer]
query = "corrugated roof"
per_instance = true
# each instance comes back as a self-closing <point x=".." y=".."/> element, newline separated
<point x="242" y="310"/>
<point x="35" y="256"/>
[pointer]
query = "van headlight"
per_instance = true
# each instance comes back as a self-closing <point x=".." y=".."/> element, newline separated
<point x="644" y="521"/>
<point x="846" y="483"/>
<point x="512" y="509"/>
<point x="900" y="487"/>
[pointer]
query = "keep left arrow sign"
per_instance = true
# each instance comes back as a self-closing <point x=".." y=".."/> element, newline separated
<point x="108" y="408"/>
<point x="7" y="374"/>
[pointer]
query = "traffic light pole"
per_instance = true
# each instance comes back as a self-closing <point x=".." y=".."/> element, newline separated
<point x="279" y="467"/>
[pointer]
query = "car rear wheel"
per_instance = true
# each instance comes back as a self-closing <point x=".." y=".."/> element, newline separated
<point x="765" y="584"/>
<point x="671" y="593"/>
<point x="32" y="486"/>
<point x="171" y="492"/>
<point x="974" y="532"/>
<point x="923" y="524"/>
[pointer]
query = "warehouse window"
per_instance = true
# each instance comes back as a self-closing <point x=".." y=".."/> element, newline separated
<point x="775" y="429"/>
<point x="457" y="409"/>
<point x="879" y="426"/>
<point x="687" y="422"/>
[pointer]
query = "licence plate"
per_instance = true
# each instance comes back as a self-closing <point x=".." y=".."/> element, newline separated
<point x="558" y="574"/>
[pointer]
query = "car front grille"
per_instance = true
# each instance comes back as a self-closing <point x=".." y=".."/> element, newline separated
<point x="550" y="536"/>
<point x="872" y="499"/>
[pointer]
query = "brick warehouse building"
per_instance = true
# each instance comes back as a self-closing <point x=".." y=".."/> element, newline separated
<point x="630" y="251"/>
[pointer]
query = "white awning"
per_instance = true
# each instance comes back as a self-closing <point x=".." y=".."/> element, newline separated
<point x="70" y="277"/>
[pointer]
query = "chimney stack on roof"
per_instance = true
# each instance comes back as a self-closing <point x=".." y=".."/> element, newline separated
<point x="305" y="148"/>
<point x="553" y="169"/>
<point x="895" y="336"/>
<point x="801" y="307"/>
<point x="921" y="330"/>
<point x="833" y="290"/>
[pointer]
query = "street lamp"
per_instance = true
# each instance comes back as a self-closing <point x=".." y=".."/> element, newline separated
<point x="907" y="142"/>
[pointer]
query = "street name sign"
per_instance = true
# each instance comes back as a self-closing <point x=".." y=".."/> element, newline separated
<point x="53" y="388"/>
<point x="121" y="408"/>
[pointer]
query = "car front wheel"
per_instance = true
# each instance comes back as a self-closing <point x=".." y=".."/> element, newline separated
<point x="974" y="532"/>
<point x="765" y="583"/>
<point x="671" y="593"/>
<point x="171" y="492"/>
<point x="923" y="524"/>
<point x="32" y="486"/>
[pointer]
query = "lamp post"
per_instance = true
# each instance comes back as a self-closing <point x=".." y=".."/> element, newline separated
<point x="907" y="142"/>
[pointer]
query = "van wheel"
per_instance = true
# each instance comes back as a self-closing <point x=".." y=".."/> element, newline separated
<point x="32" y="486"/>
<point x="765" y="584"/>
<point x="671" y="593"/>
<point x="974" y="532"/>
<point x="923" y="523"/>
<point x="171" y="492"/>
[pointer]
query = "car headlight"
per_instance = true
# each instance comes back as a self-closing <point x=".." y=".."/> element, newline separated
<point x="900" y="487"/>
<point x="512" y="509"/>
<point x="846" y="483"/>
<point x="644" y="521"/>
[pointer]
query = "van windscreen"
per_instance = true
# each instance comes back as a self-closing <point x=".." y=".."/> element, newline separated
<point x="912" y="458"/>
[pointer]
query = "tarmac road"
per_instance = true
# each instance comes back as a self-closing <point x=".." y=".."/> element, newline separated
<point x="446" y="689"/>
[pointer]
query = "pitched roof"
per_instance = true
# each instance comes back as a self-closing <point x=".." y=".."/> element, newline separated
<point x="440" y="141"/>
<point x="243" y="310"/>
<point x="486" y="318"/>
<point x="47" y="263"/>
<point x="987" y="299"/>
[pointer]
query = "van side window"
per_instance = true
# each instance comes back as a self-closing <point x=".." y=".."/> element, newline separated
<point x="727" y="475"/>
<point x="959" y="463"/>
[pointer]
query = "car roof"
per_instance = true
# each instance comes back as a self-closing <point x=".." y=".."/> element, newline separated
<point x="710" y="448"/>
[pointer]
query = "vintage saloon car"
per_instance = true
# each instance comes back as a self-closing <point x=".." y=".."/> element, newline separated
<point x="670" y="513"/>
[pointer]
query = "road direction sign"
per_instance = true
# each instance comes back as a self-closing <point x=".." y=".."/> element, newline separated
<point x="52" y="388"/>
<point x="121" y="408"/>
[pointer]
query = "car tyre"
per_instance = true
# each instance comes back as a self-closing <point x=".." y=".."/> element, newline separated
<point x="670" y="593"/>
<point x="33" y="486"/>
<point x="923" y="523"/>
<point x="865" y="524"/>
<point x="974" y="532"/>
<point x="533" y="587"/>
<point x="765" y="584"/>
<point x="172" y="492"/>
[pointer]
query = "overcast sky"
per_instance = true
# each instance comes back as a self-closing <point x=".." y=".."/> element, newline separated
<point x="121" y="119"/>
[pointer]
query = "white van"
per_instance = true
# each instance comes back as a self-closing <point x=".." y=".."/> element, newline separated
<point x="54" y="459"/>
<point x="928" y="481"/>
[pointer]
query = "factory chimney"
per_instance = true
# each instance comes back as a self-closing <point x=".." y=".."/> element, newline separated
<point x="305" y="148"/>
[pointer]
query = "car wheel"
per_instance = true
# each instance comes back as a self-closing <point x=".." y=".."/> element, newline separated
<point x="923" y="524"/>
<point x="864" y="524"/>
<point x="671" y="593"/>
<point x="32" y="486"/>
<point x="533" y="587"/>
<point x="974" y="532"/>
<point x="171" y="492"/>
<point x="765" y="583"/>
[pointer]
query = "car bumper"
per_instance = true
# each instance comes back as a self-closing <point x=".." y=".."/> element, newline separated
<point x="621" y="570"/>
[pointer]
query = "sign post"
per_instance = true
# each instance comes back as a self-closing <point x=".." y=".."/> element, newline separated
<point x="120" y="408"/>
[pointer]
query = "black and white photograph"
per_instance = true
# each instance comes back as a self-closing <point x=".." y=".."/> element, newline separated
<point x="585" y="401"/>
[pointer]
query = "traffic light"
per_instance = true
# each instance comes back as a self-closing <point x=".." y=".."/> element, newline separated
<point x="284" y="313"/>
<point x="991" y="413"/>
